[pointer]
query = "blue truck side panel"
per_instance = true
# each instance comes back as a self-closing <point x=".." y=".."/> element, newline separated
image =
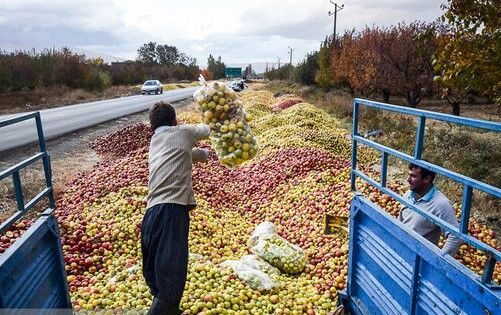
<point x="32" y="271"/>
<point x="393" y="270"/>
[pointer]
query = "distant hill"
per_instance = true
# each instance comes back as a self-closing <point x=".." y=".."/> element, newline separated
<point x="92" y="54"/>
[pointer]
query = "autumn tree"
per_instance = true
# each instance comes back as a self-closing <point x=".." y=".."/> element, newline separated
<point x="387" y="61"/>
<point x="27" y="70"/>
<point x="70" y="68"/>
<point x="408" y="51"/>
<point x="357" y="61"/>
<point x="206" y="74"/>
<point x="469" y="58"/>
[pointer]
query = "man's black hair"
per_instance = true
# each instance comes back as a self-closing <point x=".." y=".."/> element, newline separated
<point x="424" y="172"/>
<point x="162" y="114"/>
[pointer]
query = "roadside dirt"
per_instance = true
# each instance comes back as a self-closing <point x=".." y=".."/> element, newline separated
<point x="18" y="102"/>
<point x="70" y="155"/>
<point x="489" y="111"/>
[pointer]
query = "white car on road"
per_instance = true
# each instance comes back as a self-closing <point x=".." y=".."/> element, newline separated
<point x="237" y="86"/>
<point x="152" y="86"/>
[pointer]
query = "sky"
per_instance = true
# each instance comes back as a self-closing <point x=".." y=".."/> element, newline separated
<point x="240" y="32"/>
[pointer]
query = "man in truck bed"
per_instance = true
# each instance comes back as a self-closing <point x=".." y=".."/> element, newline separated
<point x="426" y="196"/>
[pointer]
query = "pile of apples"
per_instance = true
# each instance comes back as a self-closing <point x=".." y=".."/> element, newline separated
<point x="212" y="290"/>
<point x="301" y="173"/>
<point x="10" y="236"/>
<point x="285" y="103"/>
<point x="120" y="143"/>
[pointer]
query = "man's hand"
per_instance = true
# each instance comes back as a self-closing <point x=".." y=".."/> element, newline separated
<point x="200" y="155"/>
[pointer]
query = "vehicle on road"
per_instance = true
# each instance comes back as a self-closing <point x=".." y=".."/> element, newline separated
<point x="152" y="86"/>
<point x="237" y="86"/>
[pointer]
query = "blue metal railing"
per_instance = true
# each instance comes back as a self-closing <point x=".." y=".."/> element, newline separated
<point x="468" y="183"/>
<point x="13" y="171"/>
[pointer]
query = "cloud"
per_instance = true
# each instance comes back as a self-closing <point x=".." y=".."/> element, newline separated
<point x="307" y="27"/>
<point x="242" y="31"/>
<point x="291" y="19"/>
<point x="42" y="24"/>
<point x="295" y="20"/>
<point x="359" y="14"/>
<point x="248" y="48"/>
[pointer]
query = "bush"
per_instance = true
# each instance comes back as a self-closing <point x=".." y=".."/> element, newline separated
<point x="306" y="70"/>
<point x="27" y="70"/>
<point x="97" y="80"/>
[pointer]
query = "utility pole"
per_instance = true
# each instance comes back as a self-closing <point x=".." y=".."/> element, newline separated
<point x="337" y="8"/>
<point x="290" y="62"/>
<point x="278" y="62"/>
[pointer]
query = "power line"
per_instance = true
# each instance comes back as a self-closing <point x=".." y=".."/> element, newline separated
<point x="337" y="8"/>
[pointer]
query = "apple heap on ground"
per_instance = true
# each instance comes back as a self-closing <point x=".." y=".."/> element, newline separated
<point x="285" y="102"/>
<point x="301" y="173"/>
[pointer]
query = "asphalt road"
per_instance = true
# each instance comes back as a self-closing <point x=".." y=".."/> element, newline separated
<point x="62" y="120"/>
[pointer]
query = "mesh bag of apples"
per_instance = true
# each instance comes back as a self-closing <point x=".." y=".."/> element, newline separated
<point x="276" y="250"/>
<point x="252" y="271"/>
<point x="231" y="136"/>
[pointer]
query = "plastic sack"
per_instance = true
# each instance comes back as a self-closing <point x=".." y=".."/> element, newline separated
<point x="277" y="251"/>
<point x="265" y="227"/>
<point x="254" y="278"/>
<point x="195" y="257"/>
<point x="133" y="269"/>
<point x="231" y="137"/>
<point x="257" y="263"/>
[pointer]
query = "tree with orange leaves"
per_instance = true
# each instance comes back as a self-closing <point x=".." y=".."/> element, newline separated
<point x="388" y="61"/>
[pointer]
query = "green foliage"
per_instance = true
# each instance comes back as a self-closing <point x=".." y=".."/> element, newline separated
<point x="166" y="62"/>
<point x="148" y="53"/>
<point x="324" y="75"/>
<point x="167" y="55"/>
<point x="216" y="67"/>
<point x="305" y="72"/>
<point x="97" y="80"/>
<point x="469" y="58"/>
<point x="155" y="54"/>
<point x="283" y="73"/>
